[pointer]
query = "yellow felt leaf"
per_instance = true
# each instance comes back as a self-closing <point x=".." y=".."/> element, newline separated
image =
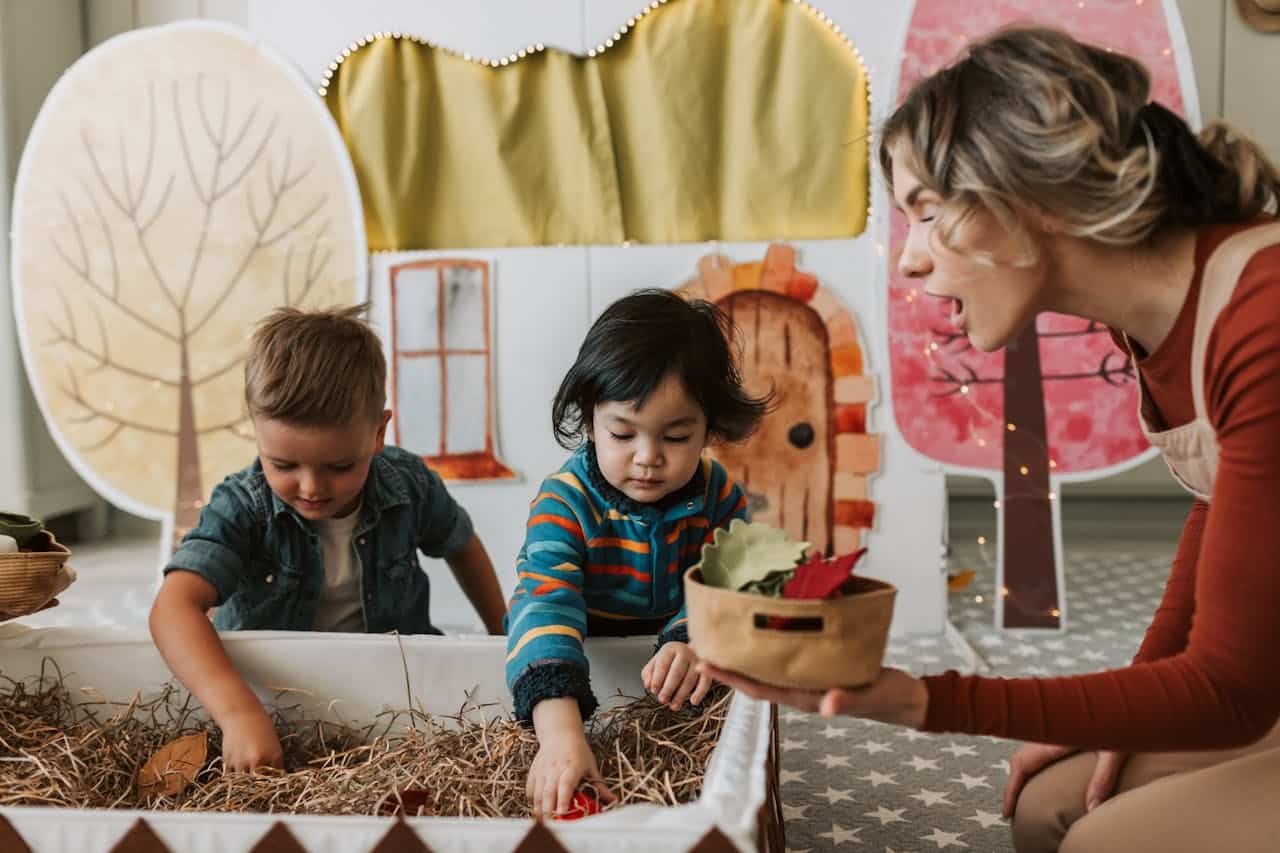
<point x="174" y="766"/>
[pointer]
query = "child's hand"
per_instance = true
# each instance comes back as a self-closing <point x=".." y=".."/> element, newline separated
<point x="249" y="741"/>
<point x="672" y="676"/>
<point x="563" y="761"/>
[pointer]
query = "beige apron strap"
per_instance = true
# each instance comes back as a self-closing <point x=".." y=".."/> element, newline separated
<point x="1221" y="272"/>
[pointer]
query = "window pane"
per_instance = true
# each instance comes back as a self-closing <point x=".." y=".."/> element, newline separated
<point x="468" y="403"/>
<point x="418" y="403"/>
<point x="416" y="292"/>
<point x="464" y="307"/>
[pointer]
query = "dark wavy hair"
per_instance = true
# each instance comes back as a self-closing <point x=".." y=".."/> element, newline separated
<point x="636" y="343"/>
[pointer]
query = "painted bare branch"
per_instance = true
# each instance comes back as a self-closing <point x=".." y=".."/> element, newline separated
<point x="1108" y="371"/>
<point x="70" y="334"/>
<point x="94" y="412"/>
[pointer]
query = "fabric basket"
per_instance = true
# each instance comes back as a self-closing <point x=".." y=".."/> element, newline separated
<point x="30" y="579"/>
<point x="809" y="643"/>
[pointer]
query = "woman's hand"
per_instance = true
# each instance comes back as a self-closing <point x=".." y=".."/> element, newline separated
<point x="1031" y="758"/>
<point x="672" y="675"/>
<point x="894" y="697"/>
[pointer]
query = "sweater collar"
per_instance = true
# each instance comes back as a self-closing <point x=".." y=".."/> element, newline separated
<point x="628" y="506"/>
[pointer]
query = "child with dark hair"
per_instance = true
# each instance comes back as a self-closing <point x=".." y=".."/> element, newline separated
<point x="611" y="533"/>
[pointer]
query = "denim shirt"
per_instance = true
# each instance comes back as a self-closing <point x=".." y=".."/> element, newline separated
<point x="267" y="565"/>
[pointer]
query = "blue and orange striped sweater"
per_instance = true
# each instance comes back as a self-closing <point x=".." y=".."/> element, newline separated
<point x="595" y="561"/>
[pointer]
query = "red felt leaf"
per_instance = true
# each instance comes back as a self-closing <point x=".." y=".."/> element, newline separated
<point x="582" y="805"/>
<point x="820" y="578"/>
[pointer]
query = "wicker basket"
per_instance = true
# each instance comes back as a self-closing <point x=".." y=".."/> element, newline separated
<point x="30" y="579"/>
<point x="834" y="642"/>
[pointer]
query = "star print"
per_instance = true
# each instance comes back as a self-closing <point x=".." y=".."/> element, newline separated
<point x="971" y="782"/>
<point x="878" y="779"/>
<point x="932" y="798"/>
<point x="840" y="835"/>
<point x="785" y="776"/>
<point x="929" y="659"/>
<point x="958" y="750"/>
<point x="987" y="819"/>
<point x="926" y="642"/>
<point x="1055" y="645"/>
<point x="830" y="761"/>
<point x="789" y="745"/>
<point x="998" y="660"/>
<point x="872" y="747"/>
<point x="913" y="735"/>
<point x="1002" y="765"/>
<point x="793" y="716"/>
<point x="917" y="763"/>
<point x="990" y="641"/>
<point x="1064" y="661"/>
<point x="886" y="816"/>
<point x="794" y="850"/>
<point x="1026" y="651"/>
<point x="793" y="812"/>
<point x="1093" y="655"/>
<point x="944" y="839"/>
<point x="834" y="731"/>
<point x="834" y="796"/>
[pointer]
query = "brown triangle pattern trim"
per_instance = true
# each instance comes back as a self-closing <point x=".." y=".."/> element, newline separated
<point x="140" y="838"/>
<point x="400" y="839"/>
<point x="10" y="840"/>
<point x="714" y="841"/>
<point x="278" y="840"/>
<point x="539" y="840"/>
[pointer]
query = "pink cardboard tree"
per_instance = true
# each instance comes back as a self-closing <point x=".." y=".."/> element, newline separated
<point x="1061" y="401"/>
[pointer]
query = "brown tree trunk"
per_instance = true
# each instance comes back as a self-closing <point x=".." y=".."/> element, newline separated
<point x="1030" y="570"/>
<point x="190" y="494"/>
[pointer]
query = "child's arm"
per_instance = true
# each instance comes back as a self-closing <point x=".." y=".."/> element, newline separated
<point x="671" y="674"/>
<point x="191" y="647"/>
<point x="474" y="572"/>
<point x="564" y="758"/>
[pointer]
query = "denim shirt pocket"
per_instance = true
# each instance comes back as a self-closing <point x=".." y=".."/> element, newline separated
<point x="271" y="590"/>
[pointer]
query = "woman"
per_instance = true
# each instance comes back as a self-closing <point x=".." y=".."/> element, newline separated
<point x="1035" y="176"/>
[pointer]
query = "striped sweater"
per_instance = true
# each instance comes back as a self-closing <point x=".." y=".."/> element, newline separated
<point x="595" y="561"/>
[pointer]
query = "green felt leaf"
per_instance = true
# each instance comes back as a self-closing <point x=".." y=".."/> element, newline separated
<point x="772" y="585"/>
<point x="747" y="553"/>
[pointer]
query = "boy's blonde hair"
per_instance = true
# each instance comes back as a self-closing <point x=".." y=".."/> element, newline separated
<point x="316" y="368"/>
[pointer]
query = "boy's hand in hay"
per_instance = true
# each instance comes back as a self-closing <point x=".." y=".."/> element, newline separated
<point x="563" y="761"/>
<point x="249" y="741"/>
<point x="672" y="675"/>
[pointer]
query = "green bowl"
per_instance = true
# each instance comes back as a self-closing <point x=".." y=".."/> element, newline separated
<point x="21" y="527"/>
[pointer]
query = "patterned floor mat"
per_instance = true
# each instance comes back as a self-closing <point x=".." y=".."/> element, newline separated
<point x="855" y="785"/>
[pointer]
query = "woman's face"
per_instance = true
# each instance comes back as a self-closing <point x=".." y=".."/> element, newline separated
<point x="990" y="301"/>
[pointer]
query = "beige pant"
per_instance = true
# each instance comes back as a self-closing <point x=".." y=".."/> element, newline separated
<point x="1198" y="802"/>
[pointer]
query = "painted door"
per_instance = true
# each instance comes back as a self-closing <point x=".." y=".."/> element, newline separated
<point x="785" y="467"/>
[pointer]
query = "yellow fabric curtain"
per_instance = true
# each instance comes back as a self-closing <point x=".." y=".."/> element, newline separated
<point x="710" y="119"/>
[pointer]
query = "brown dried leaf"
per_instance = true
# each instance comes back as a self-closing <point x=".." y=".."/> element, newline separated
<point x="174" y="766"/>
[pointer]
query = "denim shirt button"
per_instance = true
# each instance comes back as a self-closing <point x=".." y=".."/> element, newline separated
<point x="362" y="540"/>
<point x="689" y="505"/>
<point x="270" y="578"/>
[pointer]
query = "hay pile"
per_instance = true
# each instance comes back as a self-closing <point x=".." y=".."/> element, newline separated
<point x="55" y="752"/>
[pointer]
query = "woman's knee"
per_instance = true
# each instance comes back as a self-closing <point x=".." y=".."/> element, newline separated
<point x="1047" y="807"/>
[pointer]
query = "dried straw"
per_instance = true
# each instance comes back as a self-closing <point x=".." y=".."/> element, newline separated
<point x="55" y="752"/>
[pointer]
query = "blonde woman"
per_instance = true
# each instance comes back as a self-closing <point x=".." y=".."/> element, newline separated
<point x="1035" y="176"/>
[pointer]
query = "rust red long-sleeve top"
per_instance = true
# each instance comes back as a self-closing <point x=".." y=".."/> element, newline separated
<point x="1207" y="675"/>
